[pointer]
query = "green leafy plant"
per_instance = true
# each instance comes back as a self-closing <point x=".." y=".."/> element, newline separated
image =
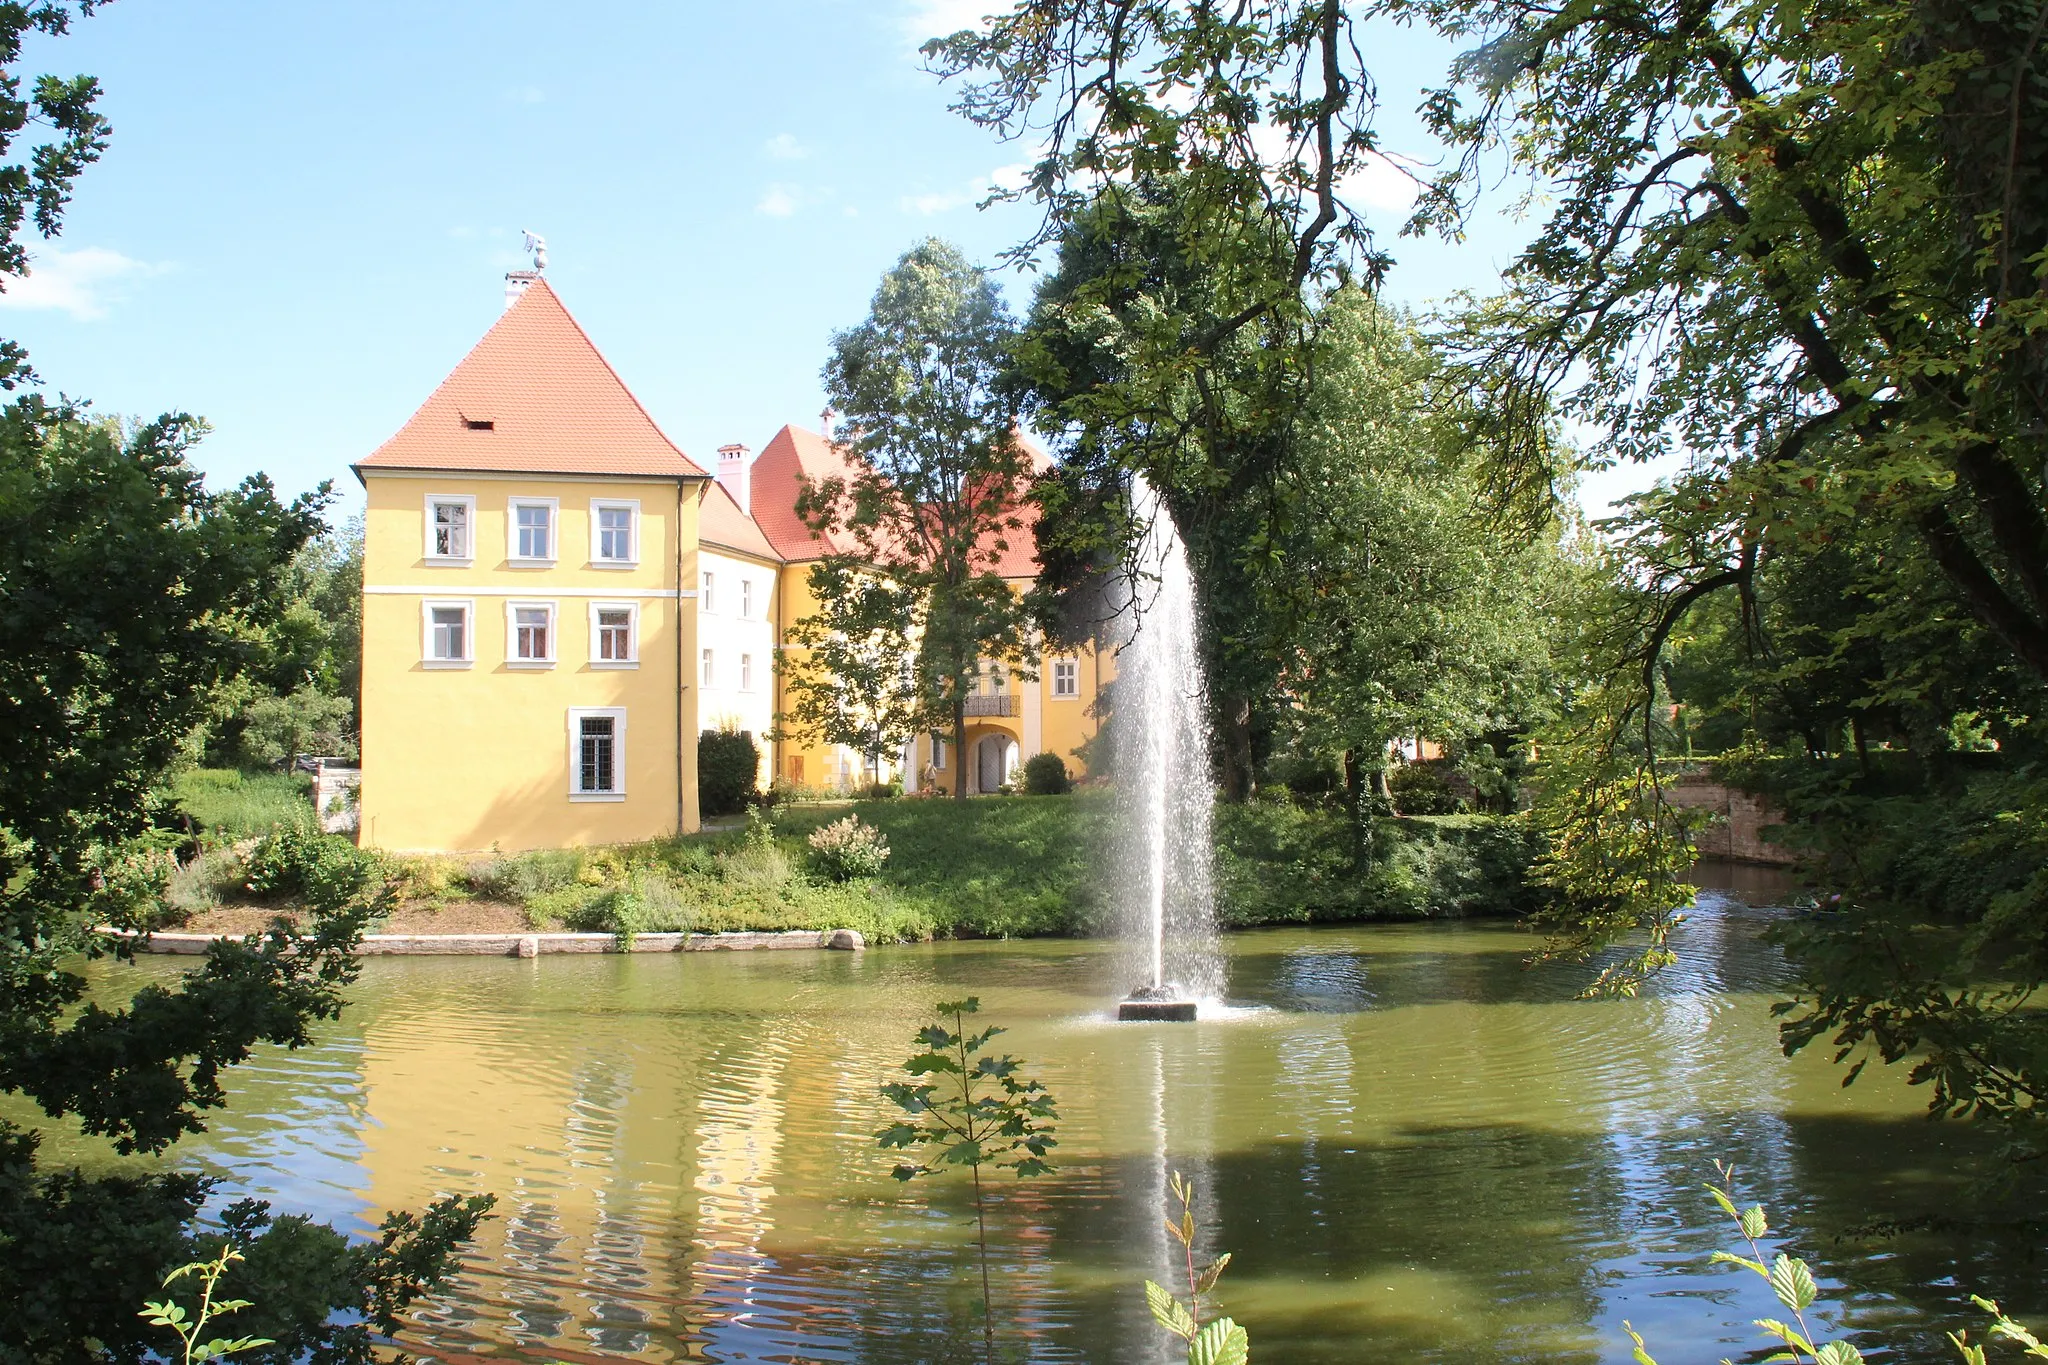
<point x="1046" y="775"/>
<point x="170" y="1314"/>
<point x="978" y="1111"/>
<point x="847" y="849"/>
<point x="1218" y="1341"/>
<point x="1791" y="1279"/>
<point x="728" y="766"/>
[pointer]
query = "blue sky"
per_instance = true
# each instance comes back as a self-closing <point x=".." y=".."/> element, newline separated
<point x="306" y="212"/>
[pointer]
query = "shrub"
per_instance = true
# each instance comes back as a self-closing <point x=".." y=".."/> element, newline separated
<point x="322" y="871"/>
<point x="1424" y="789"/>
<point x="200" y="884"/>
<point x="847" y="849"/>
<point x="879" y="791"/>
<point x="728" y="766"/>
<point x="520" y="877"/>
<point x="1046" y="775"/>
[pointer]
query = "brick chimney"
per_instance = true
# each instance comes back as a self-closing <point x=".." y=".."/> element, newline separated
<point x="734" y="475"/>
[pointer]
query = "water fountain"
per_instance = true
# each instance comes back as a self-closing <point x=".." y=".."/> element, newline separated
<point x="1165" y="895"/>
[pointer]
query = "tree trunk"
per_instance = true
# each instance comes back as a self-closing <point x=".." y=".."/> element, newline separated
<point x="1237" y="749"/>
<point x="1379" y="784"/>
<point x="960" y="759"/>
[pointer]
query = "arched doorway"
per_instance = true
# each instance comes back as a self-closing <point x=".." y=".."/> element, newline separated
<point x="995" y="758"/>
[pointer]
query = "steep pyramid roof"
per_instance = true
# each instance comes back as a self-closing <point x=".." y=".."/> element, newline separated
<point x="722" y="525"/>
<point x="534" y="397"/>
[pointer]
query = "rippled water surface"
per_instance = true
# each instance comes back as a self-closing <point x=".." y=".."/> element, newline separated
<point x="1416" y="1148"/>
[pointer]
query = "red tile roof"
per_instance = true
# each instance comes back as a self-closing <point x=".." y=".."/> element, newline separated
<point x="553" y="404"/>
<point x="792" y="454"/>
<point x="795" y="452"/>
<point x="721" y="524"/>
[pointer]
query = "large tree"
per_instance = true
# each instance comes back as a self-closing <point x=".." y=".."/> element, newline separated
<point x="129" y="594"/>
<point x="937" y="481"/>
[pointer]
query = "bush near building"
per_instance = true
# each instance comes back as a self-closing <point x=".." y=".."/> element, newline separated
<point x="728" y="766"/>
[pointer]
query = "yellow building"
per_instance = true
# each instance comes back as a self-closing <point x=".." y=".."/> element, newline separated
<point x="557" y="601"/>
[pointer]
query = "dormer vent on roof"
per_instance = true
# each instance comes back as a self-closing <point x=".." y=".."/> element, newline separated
<point x="479" y="424"/>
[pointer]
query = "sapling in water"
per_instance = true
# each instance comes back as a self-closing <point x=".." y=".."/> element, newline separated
<point x="975" y="1111"/>
<point x="1218" y="1341"/>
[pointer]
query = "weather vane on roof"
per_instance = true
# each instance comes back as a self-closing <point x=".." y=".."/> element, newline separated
<point x="538" y="245"/>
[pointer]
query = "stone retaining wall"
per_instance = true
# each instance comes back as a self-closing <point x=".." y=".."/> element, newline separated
<point x="537" y="945"/>
<point x="1738" y="834"/>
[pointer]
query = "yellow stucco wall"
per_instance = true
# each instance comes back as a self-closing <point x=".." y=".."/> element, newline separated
<point x="469" y="758"/>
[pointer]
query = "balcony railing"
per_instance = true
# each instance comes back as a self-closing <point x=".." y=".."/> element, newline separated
<point x="1001" y="704"/>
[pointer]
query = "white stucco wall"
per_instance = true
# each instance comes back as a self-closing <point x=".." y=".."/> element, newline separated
<point x="734" y="623"/>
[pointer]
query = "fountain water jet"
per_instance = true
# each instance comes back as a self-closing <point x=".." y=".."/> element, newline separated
<point x="1164" y="889"/>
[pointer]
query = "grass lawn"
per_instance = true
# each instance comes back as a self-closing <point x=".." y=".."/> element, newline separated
<point x="239" y="805"/>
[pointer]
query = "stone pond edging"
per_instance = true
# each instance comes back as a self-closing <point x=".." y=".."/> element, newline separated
<point x="538" y="945"/>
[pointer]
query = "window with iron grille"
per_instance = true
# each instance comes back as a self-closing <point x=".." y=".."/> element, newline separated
<point x="597" y="752"/>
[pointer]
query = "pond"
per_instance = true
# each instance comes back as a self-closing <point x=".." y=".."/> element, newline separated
<point x="1414" y="1147"/>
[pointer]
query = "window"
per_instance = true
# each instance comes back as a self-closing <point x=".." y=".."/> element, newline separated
<point x="707" y="597"/>
<point x="529" y="633"/>
<point x="747" y="599"/>
<point x="597" y="754"/>
<point x="938" y="753"/>
<point x="1066" y="678"/>
<point x="746" y="672"/>
<point x="444" y="628"/>
<point x="614" y="635"/>
<point x="614" y="533"/>
<point x="708" y="674"/>
<point x="532" y="526"/>
<point x="451" y="521"/>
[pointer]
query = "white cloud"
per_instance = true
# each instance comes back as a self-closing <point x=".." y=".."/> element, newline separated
<point x="785" y="147"/>
<point x="84" y="283"/>
<point x="1011" y="177"/>
<point x="924" y="19"/>
<point x="1386" y="182"/>
<point x="780" y="201"/>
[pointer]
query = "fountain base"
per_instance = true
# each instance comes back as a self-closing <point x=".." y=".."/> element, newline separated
<point x="1156" y="1004"/>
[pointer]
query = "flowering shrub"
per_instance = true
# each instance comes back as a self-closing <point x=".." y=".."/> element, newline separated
<point x="846" y="849"/>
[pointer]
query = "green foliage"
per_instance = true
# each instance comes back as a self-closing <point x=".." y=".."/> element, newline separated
<point x="847" y="849"/>
<point x="238" y="805"/>
<point x="1045" y="774"/>
<point x="277" y="729"/>
<point x="1424" y="789"/>
<point x="326" y="873"/>
<point x="922" y="518"/>
<point x="1928" y="947"/>
<point x="171" y="1315"/>
<point x="979" y="1110"/>
<point x="728" y="767"/>
<point x="1218" y="1341"/>
<point x="1280" y="861"/>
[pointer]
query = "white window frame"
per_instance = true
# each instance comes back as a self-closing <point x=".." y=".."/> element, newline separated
<point x="1073" y="671"/>
<point x="631" y="507"/>
<point x="512" y="555"/>
<point x="746" y="599"/>
<point x="577" y="715"/>
<point x="468" y="502"/>
<point x="512" y="657"/>
<point x="938" y="754"/>
<point x="746" y="671"/>
<point x="707" y="669"/>
<point x="707" y="591"/>
<point x="632" y="659"/>
<point x="428" y="606"/>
